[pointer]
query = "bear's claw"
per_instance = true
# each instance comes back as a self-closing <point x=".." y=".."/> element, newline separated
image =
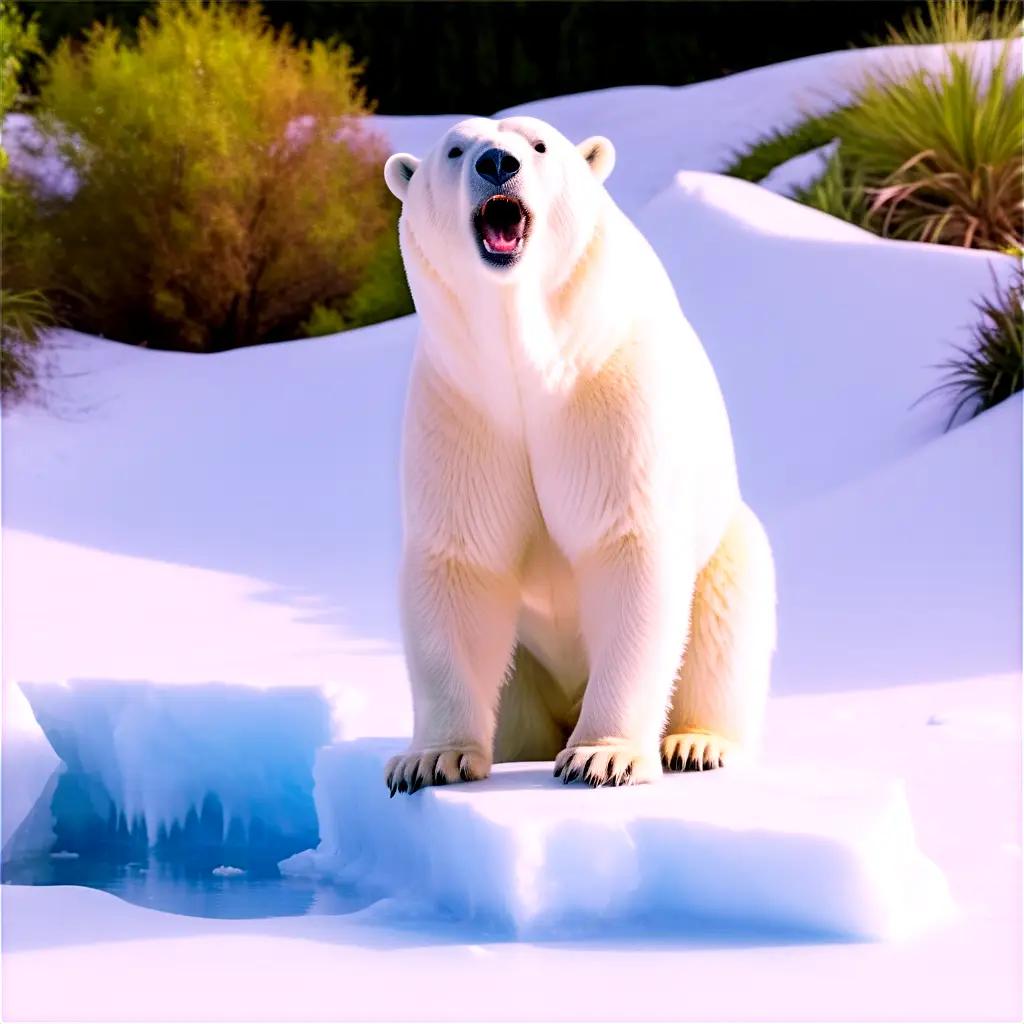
<point x="411" y="772"/>
<point x="693" y="752"/>
<point x="604" y="765"/>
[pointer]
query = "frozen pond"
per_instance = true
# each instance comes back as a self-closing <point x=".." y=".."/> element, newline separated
<point x="194" y="890"/>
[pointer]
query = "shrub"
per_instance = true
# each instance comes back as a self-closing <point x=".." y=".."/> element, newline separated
<point x="322" y="321"/>
<point x="24" y="315"/>
<point x="383" y="295"/>
<point x="19" y="43"/>
<point x="227" y="183"/>
<point x="941" y="153"/>
<point x="989" y="371"/>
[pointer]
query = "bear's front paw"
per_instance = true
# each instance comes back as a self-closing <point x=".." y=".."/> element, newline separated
<point x="415" y="769"/>
<point x="693" y="751"/>
<point x="606" y="765"/>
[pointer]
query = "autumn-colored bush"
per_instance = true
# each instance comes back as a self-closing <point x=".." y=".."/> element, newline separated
<point x="226" y="181"/>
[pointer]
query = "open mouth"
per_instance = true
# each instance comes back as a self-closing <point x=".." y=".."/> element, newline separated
<point x="501" y="224"/>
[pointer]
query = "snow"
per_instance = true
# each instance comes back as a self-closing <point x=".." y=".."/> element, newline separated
<point x="823" y="336"/>
<point x="926" y="583"/>
<point x="37" y="158"/>
<point x="182" y="519"/>
<point x="28" y="763"/>
<point x="117" y="961"/>
<point x="780" y="849"/>
<point x="799" y="171"/>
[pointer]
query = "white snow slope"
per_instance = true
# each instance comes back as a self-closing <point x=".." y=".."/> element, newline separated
<point x="181" y="519"/>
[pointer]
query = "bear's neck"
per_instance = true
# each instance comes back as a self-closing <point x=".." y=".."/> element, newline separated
<point x="504" y="345"/>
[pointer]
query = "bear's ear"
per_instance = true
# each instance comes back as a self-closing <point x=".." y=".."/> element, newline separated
<point x="398" y="172"/>
<point x="600" y="154"/>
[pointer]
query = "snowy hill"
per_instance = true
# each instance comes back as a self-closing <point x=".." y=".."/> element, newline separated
<point x="234" y="518"/>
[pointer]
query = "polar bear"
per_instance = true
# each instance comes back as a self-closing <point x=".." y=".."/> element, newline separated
<point x="581" y="580"/>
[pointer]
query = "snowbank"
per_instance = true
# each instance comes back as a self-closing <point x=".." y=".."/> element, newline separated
<point x="925" y="583"/>
<point x="791" y="850"/>
<point x="182" y="766"/>
<point x="822" y="335"/>
<point x="798" y="172"/>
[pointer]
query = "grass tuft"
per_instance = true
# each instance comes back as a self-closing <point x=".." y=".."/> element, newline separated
<point x="953" y="21"/>
<point x="941" y="153"/>
<point x="25" y="317"/>
<point x="767" y="152"/>
<point x="990" y="370"/>
<point x="841" y="191"/>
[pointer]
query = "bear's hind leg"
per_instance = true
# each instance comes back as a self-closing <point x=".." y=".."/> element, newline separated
<point x="722" y="684"/>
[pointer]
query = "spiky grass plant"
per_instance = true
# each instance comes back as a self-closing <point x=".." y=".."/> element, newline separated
<point x="762" y="156"/>
<point x="941" y="152"/>
<point x="25" y="318"/>
<point x="840" y="191"/>
<point x="991" y="369"/>
<point x="953" y="21"/>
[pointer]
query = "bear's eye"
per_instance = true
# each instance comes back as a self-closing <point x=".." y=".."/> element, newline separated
<point x="541" y="148"/>
<point x="455" y="151"/>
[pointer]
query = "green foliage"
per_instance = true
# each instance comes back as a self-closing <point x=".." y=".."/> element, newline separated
<point x="383" y="295"/>
<point x="19" y="42"/>
<point x="24" y="315"/>
<point x="954" y="21"/>
<point x="227" y="181"/>
<point x="923" y="155"/>
<point x="24" y="318"/>
<point x="766" y="153"/>
<point x="323" y="320"/>
<point x="941" y="153"/>
<point x="841" y="192"/>
<point x="989" y="371"/>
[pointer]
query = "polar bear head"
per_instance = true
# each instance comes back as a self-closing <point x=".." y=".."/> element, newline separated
<point x="500" y="199"/>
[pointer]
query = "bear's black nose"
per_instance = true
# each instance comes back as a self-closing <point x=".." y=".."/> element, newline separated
<point x="497" y="166"/>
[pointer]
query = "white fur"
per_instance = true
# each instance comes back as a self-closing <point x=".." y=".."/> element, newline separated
<point x="569" y="487"/>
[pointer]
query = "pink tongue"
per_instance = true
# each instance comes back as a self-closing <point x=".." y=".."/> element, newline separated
<point x="501" y="240"/>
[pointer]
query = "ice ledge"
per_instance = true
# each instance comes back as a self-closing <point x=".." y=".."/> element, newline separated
<point x="193" y="770"/>
<point x="790" y="850"/>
